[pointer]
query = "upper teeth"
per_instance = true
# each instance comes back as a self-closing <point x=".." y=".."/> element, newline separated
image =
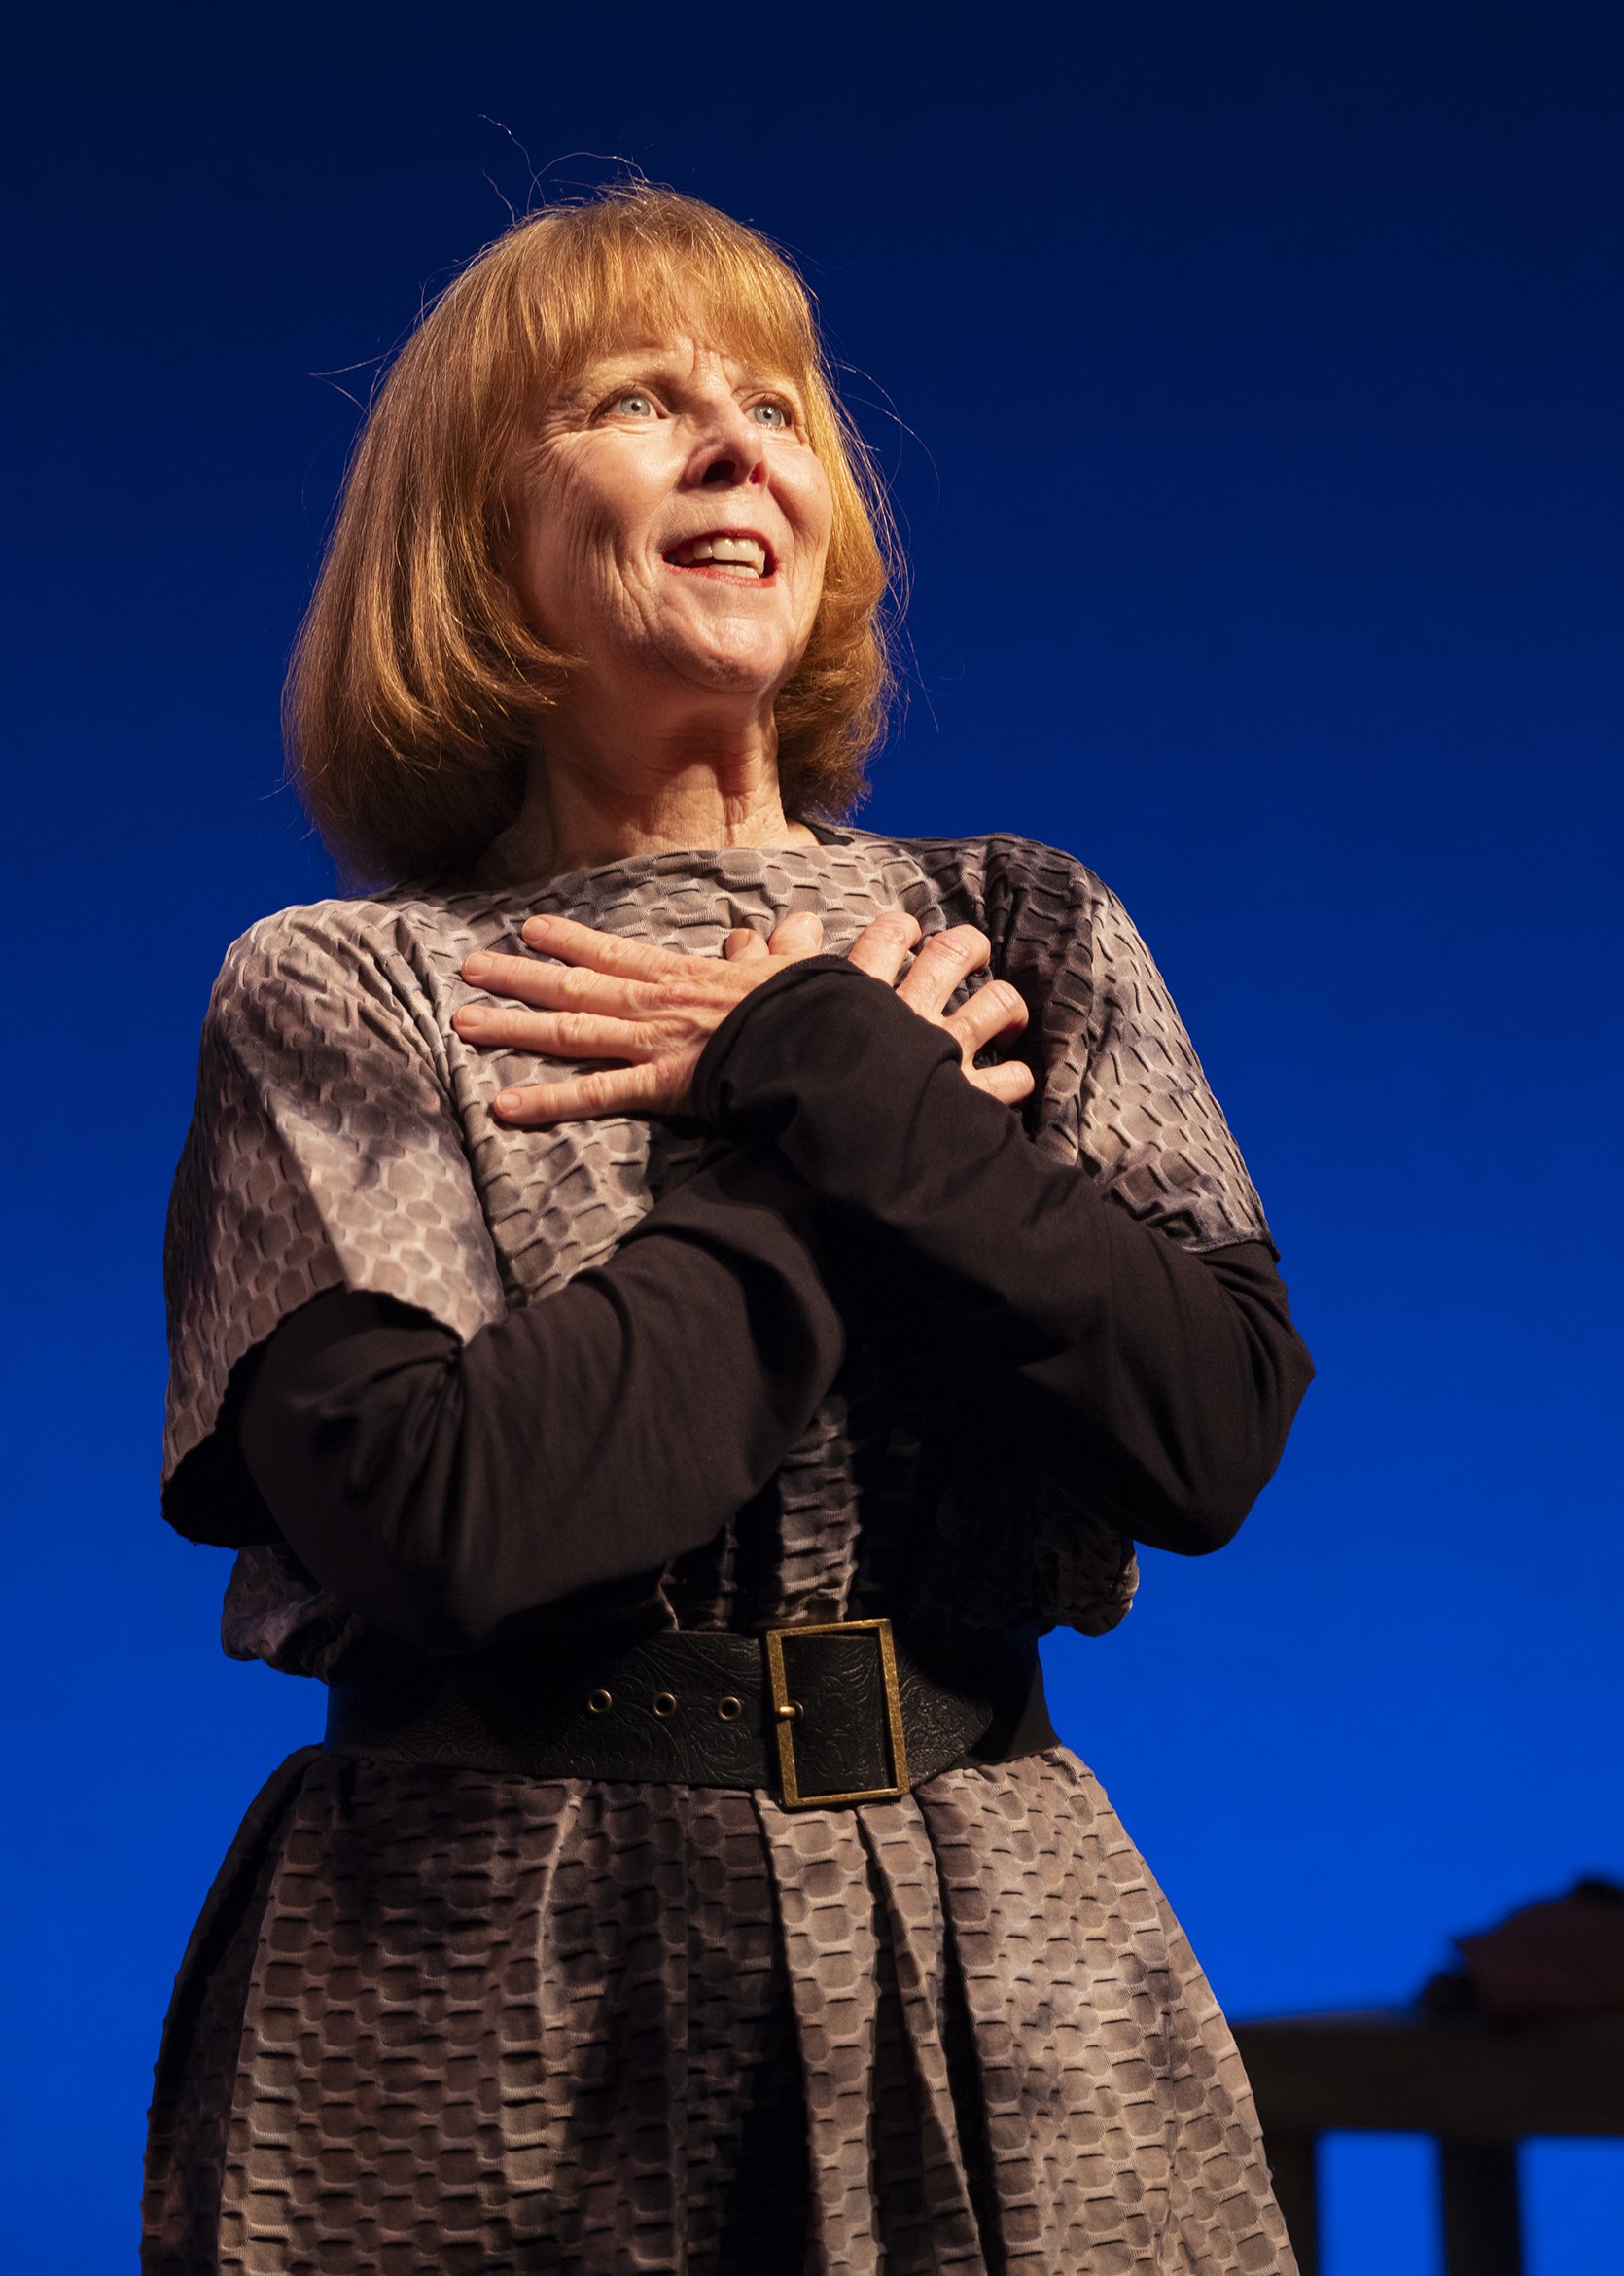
<point x="740" y="552"/>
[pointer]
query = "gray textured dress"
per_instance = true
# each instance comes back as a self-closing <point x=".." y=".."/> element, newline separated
<point x="435" y="2021"/>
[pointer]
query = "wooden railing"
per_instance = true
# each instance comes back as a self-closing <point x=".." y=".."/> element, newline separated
<point x="1479" y="2089"/>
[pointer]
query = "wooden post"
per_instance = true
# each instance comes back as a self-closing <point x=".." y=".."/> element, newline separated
<point x="1482" y="2218"/>
<point x="1477" y="2088"/>
<point x="1293" y="2167"/>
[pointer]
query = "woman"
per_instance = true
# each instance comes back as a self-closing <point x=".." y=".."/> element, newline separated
<point x="665" y="1331"/>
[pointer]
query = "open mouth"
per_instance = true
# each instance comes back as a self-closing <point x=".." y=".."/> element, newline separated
<point x="739" y="555"/>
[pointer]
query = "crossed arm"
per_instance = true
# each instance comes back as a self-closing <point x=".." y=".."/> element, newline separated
<point x="602" y="997"/>
<point x="437" y="1488"/>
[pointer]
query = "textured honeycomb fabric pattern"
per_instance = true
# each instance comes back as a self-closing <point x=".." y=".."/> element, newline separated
<point x="1123" y="1091"/>
<point x="343" y="1136"/>
<point x="519" y="2028"/>
<point x="195" y="2079"/>
<point x="436" y="2022"/>
<point x="1121" y="2126"/>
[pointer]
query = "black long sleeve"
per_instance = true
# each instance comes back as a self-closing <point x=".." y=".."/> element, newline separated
<point x="1163" y="1380"/>
<point x="437" y="1487"/>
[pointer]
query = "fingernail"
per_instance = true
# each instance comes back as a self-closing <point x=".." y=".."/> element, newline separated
<point x="509" y="1102"/>
<point x="477" y="967"/>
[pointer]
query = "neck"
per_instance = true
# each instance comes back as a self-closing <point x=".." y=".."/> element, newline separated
<point x="601" y="791"/>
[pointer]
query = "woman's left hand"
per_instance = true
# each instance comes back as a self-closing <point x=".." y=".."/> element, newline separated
<point x="604" y="997"/>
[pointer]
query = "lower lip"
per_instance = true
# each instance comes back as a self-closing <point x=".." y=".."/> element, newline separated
<point x="719" y="573"/>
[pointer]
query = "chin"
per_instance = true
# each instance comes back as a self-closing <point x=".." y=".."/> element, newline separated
<point x="748" y="665"/>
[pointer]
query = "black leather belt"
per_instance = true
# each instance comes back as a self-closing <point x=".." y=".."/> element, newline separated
<point x="837" y="1712"/>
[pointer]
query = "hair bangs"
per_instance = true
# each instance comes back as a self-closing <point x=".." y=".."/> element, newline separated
<point x="605" y="288"/>
<point x="417" y="690"/>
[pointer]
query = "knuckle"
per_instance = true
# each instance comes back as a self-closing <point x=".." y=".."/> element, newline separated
<point x="891" y="925"/>
<point x="957" y="946"/>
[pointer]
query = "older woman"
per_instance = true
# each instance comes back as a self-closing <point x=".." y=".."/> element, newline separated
<point x="668" y="1305"/>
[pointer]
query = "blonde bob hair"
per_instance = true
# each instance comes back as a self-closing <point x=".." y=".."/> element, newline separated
<point x="417" y="690"/>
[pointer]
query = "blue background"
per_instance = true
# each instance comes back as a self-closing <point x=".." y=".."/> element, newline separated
<point x="1248" y="378"/>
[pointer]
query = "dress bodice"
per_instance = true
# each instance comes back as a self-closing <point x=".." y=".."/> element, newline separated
<point x="344" y="1137"/>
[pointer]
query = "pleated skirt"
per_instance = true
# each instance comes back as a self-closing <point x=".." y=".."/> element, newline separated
<point x="433" y="2022"/>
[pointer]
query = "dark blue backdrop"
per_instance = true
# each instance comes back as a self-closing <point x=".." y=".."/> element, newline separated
<point x="1249" y="372"/>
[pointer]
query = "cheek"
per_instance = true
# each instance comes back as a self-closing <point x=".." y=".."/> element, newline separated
<point x="560" y="533"/>
<point x="531" y="555"/>
<point x="815" y="514"/>
<point x="816" y="527"/>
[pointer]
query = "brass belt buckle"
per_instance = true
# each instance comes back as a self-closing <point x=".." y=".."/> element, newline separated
<point x="785" y="1711"/>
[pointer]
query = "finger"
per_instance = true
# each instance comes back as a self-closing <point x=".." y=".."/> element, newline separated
<point x="584" y="944"/>
<point x="742" y="945"/>
<point x="661" y="1088"/>
<point x="1010" y="1081"/>
<point x="554" y="988"/>
<point x="993" y="1011"/>
<point x="883" y="947"/>
<point x="557" y="1035"/>
<point x="945" y="960"/>
<point x="799" y="934"/>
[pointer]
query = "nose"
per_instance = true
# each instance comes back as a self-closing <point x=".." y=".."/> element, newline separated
<point x="731" y="449"/>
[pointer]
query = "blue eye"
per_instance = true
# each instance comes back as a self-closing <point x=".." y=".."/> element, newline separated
<point x="770" y="414"/>
<point x="633" y="404"/>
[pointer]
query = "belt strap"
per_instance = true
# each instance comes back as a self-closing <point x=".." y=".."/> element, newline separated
<point x="835" y="1711"/>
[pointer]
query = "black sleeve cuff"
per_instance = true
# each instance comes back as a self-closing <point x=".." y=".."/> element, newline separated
<point x="800" y="1032"/>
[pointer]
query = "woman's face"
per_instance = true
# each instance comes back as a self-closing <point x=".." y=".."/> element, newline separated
<point x="671" y="524"/>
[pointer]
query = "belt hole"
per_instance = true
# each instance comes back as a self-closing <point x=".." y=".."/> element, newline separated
<point x="729" y="1708"/>
<point x="600" y="1703"/>
<point x="665" y="1703"/>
